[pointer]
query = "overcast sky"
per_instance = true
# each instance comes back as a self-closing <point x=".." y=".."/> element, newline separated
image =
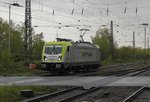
<point x="128" y="15"/>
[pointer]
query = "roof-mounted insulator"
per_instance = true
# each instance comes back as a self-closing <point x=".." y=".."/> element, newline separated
<point x="136" y="10"/>
<point x="72" y="11"/>
<point x="53" y="12"/>
<point x="107" y="11"/>
<point x="82" y="11"/>
<point x="125" y="10"/>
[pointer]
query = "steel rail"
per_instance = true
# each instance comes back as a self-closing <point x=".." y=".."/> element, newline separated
<point x="135" y="72"/>
<point x="51" y="95"/>
<point x="135" y="94"/>
<point x="81" y="94"/>
<point x="95" y="89"/>
<point x="112" y="70"/>
<point x="101" y="70"/>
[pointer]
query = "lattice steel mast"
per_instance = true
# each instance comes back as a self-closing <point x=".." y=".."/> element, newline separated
<point x="28" y="30"/>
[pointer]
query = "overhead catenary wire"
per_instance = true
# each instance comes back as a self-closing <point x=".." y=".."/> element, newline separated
<point x="75" y="15"/>
<point x="116" y="3"/>
<point x="58" y="10"/>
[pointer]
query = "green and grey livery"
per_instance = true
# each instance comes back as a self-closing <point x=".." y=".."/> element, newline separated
<point x="70" y="56"/>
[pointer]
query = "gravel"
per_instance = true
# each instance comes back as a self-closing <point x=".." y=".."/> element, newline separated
<point x="143" y="97"/>
<point x="109" y="94"/>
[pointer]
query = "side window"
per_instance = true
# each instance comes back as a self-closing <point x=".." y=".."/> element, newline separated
<point x="68" y="48"/>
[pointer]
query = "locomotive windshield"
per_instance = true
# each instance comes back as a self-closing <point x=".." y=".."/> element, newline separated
<point x="53" y="49"/>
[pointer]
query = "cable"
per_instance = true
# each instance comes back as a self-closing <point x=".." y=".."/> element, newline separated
<point x="48" y="12"/>
<point x="116" y="3"/>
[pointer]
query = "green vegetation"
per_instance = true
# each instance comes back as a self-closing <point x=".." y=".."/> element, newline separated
<point x="18" y="71"/>
<point x="15" y="62"/>
<point x="121" y="55"/>
<point x="13" y="94"/>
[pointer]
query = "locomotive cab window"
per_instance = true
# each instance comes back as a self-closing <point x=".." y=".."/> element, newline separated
<point x="53" y="49"/>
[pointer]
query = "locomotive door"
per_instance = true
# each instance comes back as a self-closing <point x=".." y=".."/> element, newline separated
<point x="70" y="48"/>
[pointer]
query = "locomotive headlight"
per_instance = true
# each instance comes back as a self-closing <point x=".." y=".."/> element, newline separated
<point x="59" y="58"/>
<point x="45" y="58"/>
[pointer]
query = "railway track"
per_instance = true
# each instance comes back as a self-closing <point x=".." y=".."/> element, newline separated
<point x="69" y="95"/>
<point x="112" y="70"/>
<point x="131" y="71"/>
<point x="56" y="96"/>
<point x="119" y="70"/>
<point x="134" y="72"/>
<point x="136" y="94"/>
<point x="102" y="71"/>
<point x="61" y="96"/>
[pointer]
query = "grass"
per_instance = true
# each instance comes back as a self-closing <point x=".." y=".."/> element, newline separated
<point x="18" y="71"/>
<point x="15" y="69"/>
<point x="13" y="94"/>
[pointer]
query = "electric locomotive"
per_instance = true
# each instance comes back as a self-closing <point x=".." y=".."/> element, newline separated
<point x="65" y="55"/>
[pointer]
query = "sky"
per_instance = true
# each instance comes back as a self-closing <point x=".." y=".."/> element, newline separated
<point x="52" y="16"/>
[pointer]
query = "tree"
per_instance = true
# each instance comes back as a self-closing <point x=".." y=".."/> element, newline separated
<point x="102" y="40"/>
<point x="5" y="58"/>
<point x="17" y="46"/>
<point x="38" y="43"/>
<point x="3" y="34"/>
